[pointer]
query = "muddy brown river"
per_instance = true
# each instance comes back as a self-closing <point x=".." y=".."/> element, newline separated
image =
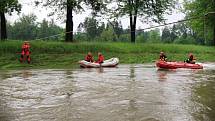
<point x="126" y="93"/>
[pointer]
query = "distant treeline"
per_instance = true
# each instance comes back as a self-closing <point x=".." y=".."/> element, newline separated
<point x="180" y="33"/>
<point x="197" y="28"/>
<point x="26" y="28"/>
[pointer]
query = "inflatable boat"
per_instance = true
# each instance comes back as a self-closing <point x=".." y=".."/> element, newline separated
<point x="113" y="62"/>
<point x="175" y="65"/>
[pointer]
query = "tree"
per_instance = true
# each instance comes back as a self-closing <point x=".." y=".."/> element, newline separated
<point x="140" y="38"/>
<point x="201" y="8"/>
<point x="181" y="33"/>
<point x="91" y="27"/>
<point x="117" y="27"/>
<point x="47" y="29"/>
<point x="166" y="35"/>
<point x="25" y="28"/>
<point x="173" y="34"/>
<point x="54" y="29"/>
<point x="147" y="9"/>
<point x="7" y="6"/>
<point x="68" y="7"/>
<point x="108" y="34"/>
<point x="101" y="28"/>
<point x="154" y="36"/>
<point x="182" y="30"/>
<point x="188" y="40"/>
<point x="43" y="29"/>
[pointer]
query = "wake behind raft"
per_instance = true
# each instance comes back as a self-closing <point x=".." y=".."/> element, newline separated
<point x="175" y="65"/>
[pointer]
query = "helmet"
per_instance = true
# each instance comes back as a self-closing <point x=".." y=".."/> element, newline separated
<point x="161" y="53"/>
<point x="26" y="42"/>
<point x="190" y="54"/>
<point x="89" y="53"/>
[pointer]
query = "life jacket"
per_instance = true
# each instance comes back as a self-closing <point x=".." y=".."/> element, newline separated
<point x="163" y="57"/>
<point x="100" y="59"/>
<point x="25" y="49"/>
<point x="89" y="58"/>
<point x="190" y="59"/>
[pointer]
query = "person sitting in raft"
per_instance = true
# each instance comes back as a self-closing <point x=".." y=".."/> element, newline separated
<point x="25" y="52"/>
<point x="163" y="57"/>
<point x="191" y="59"/>
<point x="100" y="58"/>
<point x="89" y="57"/>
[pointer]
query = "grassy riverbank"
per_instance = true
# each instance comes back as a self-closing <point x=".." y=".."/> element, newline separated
<point x="66" y="55"/>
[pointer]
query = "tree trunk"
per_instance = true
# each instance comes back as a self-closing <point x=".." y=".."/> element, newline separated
<point x="134" y="24"/>
<point x="131" y="21"/>
<point x="132" y="29"/>
<point x="133" y="18"/>
<point x="69" y="24"/>
<point x="3" y="27"/>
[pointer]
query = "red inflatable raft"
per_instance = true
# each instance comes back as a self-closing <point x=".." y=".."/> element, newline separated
<point x="175" y="65"/>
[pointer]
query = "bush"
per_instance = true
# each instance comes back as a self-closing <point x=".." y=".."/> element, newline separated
<point x="187" y="40"/>
<point x="140" y="39"/>
<point x="124" y="38"/>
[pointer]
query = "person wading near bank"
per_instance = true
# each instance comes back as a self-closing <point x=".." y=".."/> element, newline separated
<point x="25" y="54"/>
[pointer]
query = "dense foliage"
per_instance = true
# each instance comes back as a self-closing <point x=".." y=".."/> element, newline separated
<point x="200" y="30"/>
<point x="7" y="6"/>
<point x="26" y="28"/>
<point x="67" y="8"/>
<point x="148" y="10"/>
<point x="180" y="33"/>
<point x="204" y="26"/>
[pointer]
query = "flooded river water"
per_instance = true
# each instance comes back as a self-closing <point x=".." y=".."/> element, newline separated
<point x="126" y="93"/>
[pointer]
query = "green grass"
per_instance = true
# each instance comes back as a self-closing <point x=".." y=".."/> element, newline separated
<point x="66" y="55"/>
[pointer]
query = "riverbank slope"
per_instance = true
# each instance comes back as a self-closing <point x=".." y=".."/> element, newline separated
<point x="66" y="55"/>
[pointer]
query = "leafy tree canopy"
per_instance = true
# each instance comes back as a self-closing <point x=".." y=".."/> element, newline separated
<point x="205" y="10"/>
<point x="9" y="6"/>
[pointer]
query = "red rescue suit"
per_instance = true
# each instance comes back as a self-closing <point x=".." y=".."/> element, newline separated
<point x="100" y="59"/>
<point x="25" y="52"/>
<point x="89" y="58"/>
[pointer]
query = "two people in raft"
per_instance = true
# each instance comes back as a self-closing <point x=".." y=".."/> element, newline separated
<point x="191" y="59"/>
<point x="25" y="54"/>
<point x="89" y="58"/>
